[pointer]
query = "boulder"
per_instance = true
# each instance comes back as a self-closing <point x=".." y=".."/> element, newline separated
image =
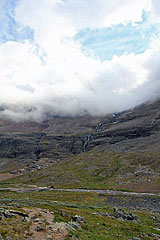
<point x="79" y="219"/>
<point x="1" y="238"/>
<point x="122" y="215"/>
<point x="8" y="214"/>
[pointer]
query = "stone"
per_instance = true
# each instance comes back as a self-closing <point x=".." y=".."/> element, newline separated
<point x="156" y="236"/>
<point x="4" y="223"/>
<point x="73" y="225"/>
<point x="34" y="216"/>
<point x="79" y="219"/>
<point x="103" y="214"/>
<point x="58" y="228"/>
<point x="25" y="219"/>
<point x="1" y="238"/>
<point x="63" y="214"/>
<point x="40" y="227"/>
<point x="121" y="215"/>
<point x="74" y="238"/>
<point x="13" y="172"/>
<point x="15" y="228"/>
<point x="8" y="214"/>
<point x="38" y="220"/>
<point x="49" y="237"/>
<point x="19" y="213"/>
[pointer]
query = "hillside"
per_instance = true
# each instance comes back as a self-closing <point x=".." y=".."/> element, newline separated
<point x="119" y="151"/>
<point x="49" y="173"/>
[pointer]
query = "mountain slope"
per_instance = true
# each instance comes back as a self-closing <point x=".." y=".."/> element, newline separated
<point x="117" y="151"/>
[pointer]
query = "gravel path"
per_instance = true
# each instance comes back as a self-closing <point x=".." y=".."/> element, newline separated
<point x="132" y="200"/>
<point x="112" y="192"/>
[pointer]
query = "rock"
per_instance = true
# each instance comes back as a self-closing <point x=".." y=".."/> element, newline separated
<point x="34" y="216"/>
<point x="102" y="214"/>
<point x="156" y="236"/>
<point x="121" y="215"/>
<point x="15" y="228"/>
<point x="19" y="213"/>
<point x="51" y="161"/>
<point x="4" y="223"/>
<point x="73" y="225"/>
<point x="39" y="220"/>
<point x="118" y="213"/>
<point x="8" y="214"/>
<point x="25" y="219"/>
<point x="136" y="238"/>
<point x="13" y="172"/>
<point x="9" y="238"/>
<point x="40" y="227"/>
<point x="58" y="228"/>
<point x="74" y="238"/>
<point x="1" y="238"/>
<point x="22" y="170"/>
<point x="49" y="237"/>
<point x="63" y="214"/>
<point x="79" y="219"/>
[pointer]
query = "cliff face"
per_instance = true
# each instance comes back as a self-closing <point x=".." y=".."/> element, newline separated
<point x="133" y="130"/>
<point x="25" y="143"/>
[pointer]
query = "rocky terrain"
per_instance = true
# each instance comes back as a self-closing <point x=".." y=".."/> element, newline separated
<point x="73" y="215"/>
<point x="118" y="152"/>
<point x="32" y="145"/>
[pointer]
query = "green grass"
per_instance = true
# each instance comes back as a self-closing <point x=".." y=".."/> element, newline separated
<point x="93" y="170"/>
<point x="66" y="204"/>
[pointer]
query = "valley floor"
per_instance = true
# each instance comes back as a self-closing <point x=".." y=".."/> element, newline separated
<point x="77" y="215"/>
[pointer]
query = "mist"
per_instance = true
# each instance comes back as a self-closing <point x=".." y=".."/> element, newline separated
<point x="53" y="75"/>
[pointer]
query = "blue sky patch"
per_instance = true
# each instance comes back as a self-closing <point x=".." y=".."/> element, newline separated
<point x="102" y="43"/>
<point x="10" y="30"/>
<point x="118" y="40"/>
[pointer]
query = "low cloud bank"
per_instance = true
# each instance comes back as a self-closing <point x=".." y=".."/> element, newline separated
<point x="52" y="75"/>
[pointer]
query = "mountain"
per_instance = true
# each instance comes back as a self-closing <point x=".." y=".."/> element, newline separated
<point x="119" y="150"/>
<point x="81" y="177"/>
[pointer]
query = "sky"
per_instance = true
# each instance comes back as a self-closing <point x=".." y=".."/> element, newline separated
<point x="76" y="57"/>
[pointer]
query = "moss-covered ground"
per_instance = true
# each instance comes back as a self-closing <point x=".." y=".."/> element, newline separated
<point x="100" y="170"/>
<point x="67" y="204"/>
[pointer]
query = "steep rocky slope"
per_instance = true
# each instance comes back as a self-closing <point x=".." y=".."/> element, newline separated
<point x="133" y="130"/>
<point x="117" y="149"/>
<point x="119" y="152"/>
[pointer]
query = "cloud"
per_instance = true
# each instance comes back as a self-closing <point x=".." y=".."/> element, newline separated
<point x="155" y="10"/>
<point x="53" y="75"/>
<point x="81" y="13"/>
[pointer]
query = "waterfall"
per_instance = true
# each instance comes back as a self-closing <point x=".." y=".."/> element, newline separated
<point x="98" y="127"/>
<point x="37" y="147"/>
<point x="87" y="140"/>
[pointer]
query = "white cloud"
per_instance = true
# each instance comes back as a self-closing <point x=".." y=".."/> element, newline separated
<point x="54" y="75"/>
<point x="155" y="10"/>
<point x="81" y="13"/>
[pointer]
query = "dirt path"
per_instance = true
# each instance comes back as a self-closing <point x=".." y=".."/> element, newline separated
<point x="112" y="192"/>
<point x="133" y="200"/>
<point x="99" y="191"/>
<point x="137" y="201"/>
